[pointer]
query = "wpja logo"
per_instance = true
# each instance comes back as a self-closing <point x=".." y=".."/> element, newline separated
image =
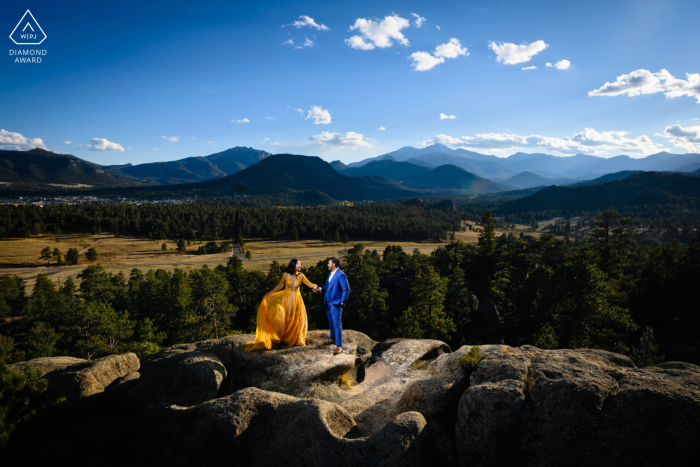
<point x="28" y="32"/>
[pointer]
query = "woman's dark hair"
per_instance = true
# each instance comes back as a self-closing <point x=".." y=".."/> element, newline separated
<point x="292" y="268"/>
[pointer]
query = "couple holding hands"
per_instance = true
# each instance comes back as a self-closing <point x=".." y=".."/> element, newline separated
<point x="282" y="314"/>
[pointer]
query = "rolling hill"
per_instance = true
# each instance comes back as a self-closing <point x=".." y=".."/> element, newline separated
<point x="453" y="178"/>
<point x="284" y="173"/>
<point x="185" y="170"/>
<point x="45" y="170"/>
<point x="529" y="179"/>
<point x="637" y="189"/>
<point x="397" y="171"/>
<point x="610" y="177"/>
<point x="191" y="169"/>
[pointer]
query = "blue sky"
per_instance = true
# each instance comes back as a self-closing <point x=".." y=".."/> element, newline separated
<point x="142" y="81"/>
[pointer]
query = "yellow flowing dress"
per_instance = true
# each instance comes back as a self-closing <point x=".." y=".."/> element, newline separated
<point x="282" y="315"/>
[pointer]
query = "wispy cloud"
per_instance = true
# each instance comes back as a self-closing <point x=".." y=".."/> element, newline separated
<point x="418" y="21"/>
<point x="307" y="43"/>
<point x="264" y="140"/>
<point x="306" y="21"/>
<point x="589" y="141"/>
<point x="171" y="139"/>
<point x="381" y="128"/>
<point x="533" y="67"/>
<point x="444" y="117"/>
<point x="645" y="82"/>
<point x="243" y="120"/>
<point x="66" y="142"/>
<point x="271" y="118"/>
<point x="334" y="140"/>
<point x="511" y="54"/>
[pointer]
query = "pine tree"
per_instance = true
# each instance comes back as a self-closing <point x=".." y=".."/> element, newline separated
<point x="46" y="254"/>
<point x="487" y="235"/>
<point x="425" y="318"/>
<point x="91" y="255"/>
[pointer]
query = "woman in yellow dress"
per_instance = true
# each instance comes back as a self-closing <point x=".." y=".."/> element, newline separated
<point x="282" y="314"/>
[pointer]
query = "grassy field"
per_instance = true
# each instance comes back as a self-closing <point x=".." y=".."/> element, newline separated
<point x="125" y="253"/>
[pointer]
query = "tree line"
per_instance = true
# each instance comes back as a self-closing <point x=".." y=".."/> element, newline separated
<point x="611" y="293"/>
<point x="371" y="221"/>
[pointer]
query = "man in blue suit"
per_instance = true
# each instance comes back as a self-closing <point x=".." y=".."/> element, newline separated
<point x="335" y="297"/>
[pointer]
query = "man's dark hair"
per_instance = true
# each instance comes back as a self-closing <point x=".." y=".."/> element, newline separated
<point x="292" y="268"/>
<point x="335" y="260"/>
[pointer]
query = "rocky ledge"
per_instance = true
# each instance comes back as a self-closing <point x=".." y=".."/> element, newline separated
<point x="397" y="402"/>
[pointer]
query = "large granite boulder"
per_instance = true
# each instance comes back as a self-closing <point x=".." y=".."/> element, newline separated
<point x="47" y="364"/>
<point x="578" y="407"/>
<point x="80" y="380"/>
<point x="257" y="427"/>
<point x="172" y="377"/>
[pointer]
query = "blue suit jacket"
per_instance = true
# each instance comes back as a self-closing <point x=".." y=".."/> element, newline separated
<point x="337" y="290"/>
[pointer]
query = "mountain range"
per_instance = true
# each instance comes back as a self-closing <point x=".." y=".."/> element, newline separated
<point x="408" y="170"/>
<point x="535" y="169"/>
<point x="39" y="168"/>
<point x="191" y="169"/>
<point x="642" y="188"/>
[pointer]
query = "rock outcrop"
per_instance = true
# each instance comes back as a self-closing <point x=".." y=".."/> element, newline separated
<point x="47" y="364"/>
<point x="400" y="402"/>
<point x="578" y="407"/>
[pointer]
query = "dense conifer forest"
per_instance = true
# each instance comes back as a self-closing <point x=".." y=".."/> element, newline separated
<point x="609" y="292"/>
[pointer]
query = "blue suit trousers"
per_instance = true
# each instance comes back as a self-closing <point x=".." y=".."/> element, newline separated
<point x="335" y="314"/>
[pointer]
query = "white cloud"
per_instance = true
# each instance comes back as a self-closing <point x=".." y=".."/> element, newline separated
<point x="450" y="117"/>
<point x="645" y="82"/>
<point x="687" y="138"/>
<point x="438" y="27"/>
<point x="533" y="67"/>
<point x="300" y="111"/>
<point x="305" y="21"/>
<point x="511" y="54"/>
<point x="271" y="118"/>
<point x="14" y="141"/>
<point x="154" y="149"/>
<point x="101" y="144"/>
<point x="275" y="144"/>
<point x="341" y="140"/>
<point x="289" y="42"/>
<point x="451" y="49"/>
<point x="264" y="140"/>
<point x="418" y="21"/>
<point x="588" y="141"/>
<point x="171" y="139"/>
<point x="560" y="65"/>
<point x="319" y="115"/>
<point x="194" y="139"/>
<point x="381" y="128"/>
<point x="211" y="142"/>
<point x="307" y="43"/>
<point x="66" y="142"/>
<point x="245" y="120"/>
<point x="378" y="34"/>
<point x="423" y="61"/>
